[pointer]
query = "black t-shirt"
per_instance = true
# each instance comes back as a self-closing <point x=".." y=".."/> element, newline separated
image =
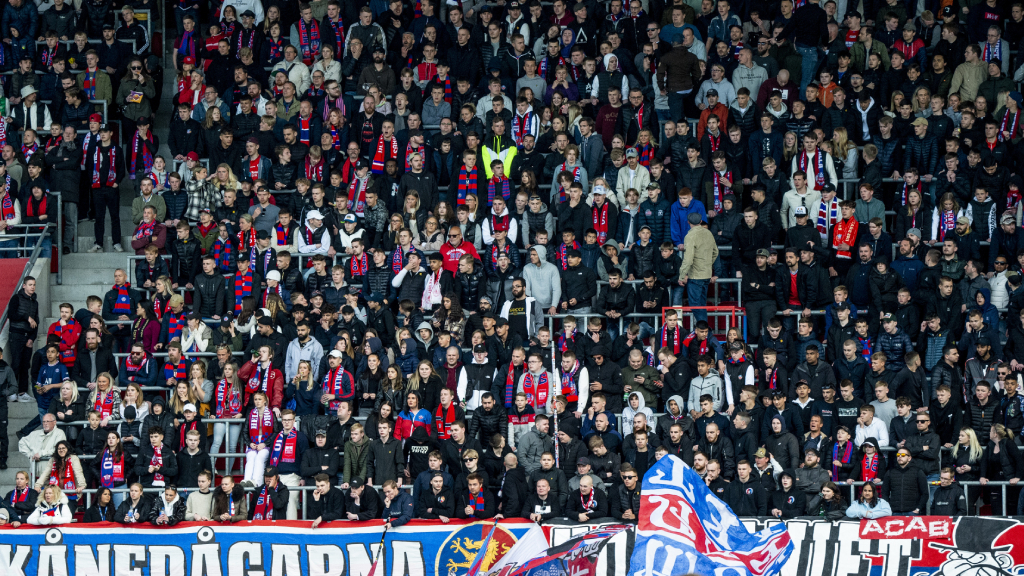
<point x="517" y="318"/>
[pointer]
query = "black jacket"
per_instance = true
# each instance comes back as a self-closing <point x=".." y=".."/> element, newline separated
<point x="330" y="506"/>
<point x="369" y="507"/>
<point x="441" y="504"/>
<point x="82" y="370"/>
<point x="209" y="297"/>
<point x="142" y="509"/>
<point x="169" y="469"/>
<point x="747" y="498"/>
<point x="905" y="488"/>
<point x="186" y="260"/>
<point x="189" y="467"/>
<point x="623" y="499"/>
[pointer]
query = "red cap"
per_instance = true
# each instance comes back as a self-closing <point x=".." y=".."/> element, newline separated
<point x="189" y="60"/>
<point x="192" y="156"/>
<point x="96" y="118"/>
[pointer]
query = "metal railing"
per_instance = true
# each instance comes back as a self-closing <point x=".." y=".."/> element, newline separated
<point x="36" y="250"/>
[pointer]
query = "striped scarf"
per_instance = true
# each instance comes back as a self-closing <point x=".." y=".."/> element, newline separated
<point x="309" y="41"/>
<point x="563" y="251"/>
<point x="7" y="207"/>
<point x="243" y="288"/>
<point x="828" y="215"/>
<point x="97" y="180"/>
<point x="467" y="184"/>
<point x="521" y="127"/>
<point x="147" y="156"/>
<point x="447" y="87"/>
<point x="844" y="458"/>
<point x="222" y="254"/>
<point x="600" y="221"/>
<point x="947" y="223"/>
<point x="380" y="156"/>
<point x="492" y="186"/>
<point x="187" y="46"/>
<point x="276" y="48"/>
<point x="123" y="301"/>
<point x="339" y="36"/>
<point x="646" y="152"/>
<point x="304" y="129"/>
<point x="89" y="87"/>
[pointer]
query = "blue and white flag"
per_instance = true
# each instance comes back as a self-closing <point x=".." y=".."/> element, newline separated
<point x="684" y="528"/>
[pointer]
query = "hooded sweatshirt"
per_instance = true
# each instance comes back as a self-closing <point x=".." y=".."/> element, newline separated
<point x="710" y="384"/>
<point x="424" y="345"/>
<point x="629" y="412"/>
<point x="543" y="282"/>
<point x="407" y="362"/>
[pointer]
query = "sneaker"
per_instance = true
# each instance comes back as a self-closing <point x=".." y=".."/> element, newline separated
<point x="25" y="398"/>
<point x="118" y="248"/>
<point x="66" y="250"/>
<point x="96" y="248"/>
<point x="12" y="398"/>
<point x="248" y="484"/>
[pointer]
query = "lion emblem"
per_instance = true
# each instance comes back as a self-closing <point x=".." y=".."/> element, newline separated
<point x="467" y="548"/>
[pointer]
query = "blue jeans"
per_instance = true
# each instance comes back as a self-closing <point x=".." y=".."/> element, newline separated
<point x="932" y="486"/>
<point x="697" y="294"/>
<point x="8" y="248"/>
<point x="675" y="106"/>
<point x="808" y="67"/>
<point x="44" y="252"/>
<point x="676" y="294"/>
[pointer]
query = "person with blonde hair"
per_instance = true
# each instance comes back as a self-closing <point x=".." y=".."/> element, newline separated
<point x="51" y="508"/>
<point x="105" y="398"/>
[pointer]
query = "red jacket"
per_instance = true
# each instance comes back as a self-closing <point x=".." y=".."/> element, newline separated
<point x="275" y="384"/>
<point x="69" y="335"/>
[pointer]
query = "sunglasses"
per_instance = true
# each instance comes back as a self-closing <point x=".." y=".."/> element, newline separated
<point x="468" y="459"/>
<point x="629" y="477"/>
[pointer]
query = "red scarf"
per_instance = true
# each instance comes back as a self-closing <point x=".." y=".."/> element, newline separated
<point x="30" y="206"/>
<point x="104" y="404"/>
<point x="144" y="230"/>
<point x="869" y="467"/>
<point x="357" y="195"/>
<point x="521" y="127"/>
<point x="315" y="172"/>
<point x="845" y="232"/>
<point x="646" y="152"/>
<point x="261" y="424"/>
<point x="246" y="239"/>
<point x="600" y="220"/>
<point x="819" y="168"/>
<point x="229" y="400"/>
<point x="675" y="340"/>
<point x="443" y="419"/>
<point x="281" y="234"/>
<point x="717" y="187"/>
<point x="284" y="448"/>
<point x="97" y="180"/>
<point x="358" y="267"/>
<point x="380" y="156"/>
<point x="7" y="207"/>
<point x="157" y="460"/>
<point x="536" y="392"/>
<point x="147" y="156"/>
<point x="309" y="41"/>
<point x="64" y="479"/>
<point x="254" y="168"/>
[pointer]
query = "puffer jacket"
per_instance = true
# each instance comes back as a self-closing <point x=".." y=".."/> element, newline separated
<point x="209" y="290"/>
<point x="21" y="308"/>
<point x="378" y="280"/>
<point x="925" y="460"/>
<point x="784" y="448"/>
<point x="905" y="489"/>
<point x="472" y="286"/>
<point x="185" y="260"/>
<point x="922" y="153"/>
<point x="895" y="346"/>
<point x="656" y="215"/>
<point x="724" y="225"/>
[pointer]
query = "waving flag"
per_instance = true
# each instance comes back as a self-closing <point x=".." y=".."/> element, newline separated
<point x="481" y="554"/>
<point x="577" y="556"/>
<point x="684" y="528"/>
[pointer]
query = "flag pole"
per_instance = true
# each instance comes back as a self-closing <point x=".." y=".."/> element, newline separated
<point x="380" y="548"/>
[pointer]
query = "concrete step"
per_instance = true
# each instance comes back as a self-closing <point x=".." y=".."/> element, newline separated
<point x="95" y="275"/>
<point x="86" y="241"/>
<point x="74" y="294"/>
<point x="85" y="261"/>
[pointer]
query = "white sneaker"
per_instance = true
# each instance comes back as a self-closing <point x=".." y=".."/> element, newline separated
<point x="96" y="248"/>
<point x="25" y="398"/>
<point x="118" y="248"/>
<point x="12" y="398"/>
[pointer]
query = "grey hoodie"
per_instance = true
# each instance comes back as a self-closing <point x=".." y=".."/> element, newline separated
<point x="544" y="282"/>
<point x="710" y="384"/>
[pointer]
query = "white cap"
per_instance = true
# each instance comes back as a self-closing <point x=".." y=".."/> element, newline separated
<point x="336" y="354"/>
<point x="314" y="214"/>
<point x="274" y="275"/>
<point x="190" y="407"/>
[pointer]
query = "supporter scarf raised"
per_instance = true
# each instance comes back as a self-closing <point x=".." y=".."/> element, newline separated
<point x="819" y="168"/>
<point x="65" y="479"/>
<point x="843" y="456"/>
<point x="122" y="302"/>
<point x="988" y="51"/>
<point x="536" y="389"/>
<point x="380" y="156"/>
<point x="228" y="401"/>
<point x="334" y="383"/>
<point x="158" y="461"/>
<point x="397" y="259"/>
<point x="304" y="126"/>
<point x="284" y="448"/>
<point x="246" y="240"/>
<point x="467" y="184"/>
<point x="600" y="221"/>
<point x="1013" y="198"/>
<point x="309" y="40"/>
<point x="845" y="232"/>
<point x="339" y="35"/>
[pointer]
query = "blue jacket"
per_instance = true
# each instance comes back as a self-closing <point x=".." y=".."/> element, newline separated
<point x="680" y="224"/>
<point x="656" y="215"/>
<point x="400" y="511"/>
<point x="407" y="362"/>
<point x="177" y="203"/>
<point x="25" y="19"/>
<point x="146" y="374"/>
<point x="908" y="269"/>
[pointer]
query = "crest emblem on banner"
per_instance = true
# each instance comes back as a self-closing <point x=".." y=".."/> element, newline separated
<point x="460" y="548"/>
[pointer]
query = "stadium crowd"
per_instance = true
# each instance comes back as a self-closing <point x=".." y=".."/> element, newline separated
<point x="402" y="244"/>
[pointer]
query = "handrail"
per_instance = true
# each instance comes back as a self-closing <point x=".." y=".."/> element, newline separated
<point x="31" y="261"/>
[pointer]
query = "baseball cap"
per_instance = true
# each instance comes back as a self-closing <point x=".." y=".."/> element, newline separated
<point x="270" y="472"/>
<point x="800" y="211"/>
<point x="350" y="218"/>
<point x="248" y="13"/>
<point x="854" y="14"/>
<point x="99" y="118"/>
<point x="1007" y="219"/>
<point x="499" y="322"/>
<point x="355" y="483"/>
<point x="843" y="306"/>
<point x="189" y="60"/>
<point x="190" y="407"/>
<point x="632" y="153"/>
<point x="252" y="140"/>
<point x="735" y="346"/>
<point x="479" y="349"/>
<point x="711" y="92"/>
<point x="909" y="26"/>
<point x="262" y="235"/>
<point x="321" y="432"/>
<point x="583" y="461"/>
<point x="336" y="354"/>
<point x="191" y="155"/>
<point x="963" y="220"/>
<point x="828" y="188"/>
<point x="761" y="453"/>
<point x="762" y="252"/>
<point x="888" y="317"/>
<point x="919" y="122"/>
